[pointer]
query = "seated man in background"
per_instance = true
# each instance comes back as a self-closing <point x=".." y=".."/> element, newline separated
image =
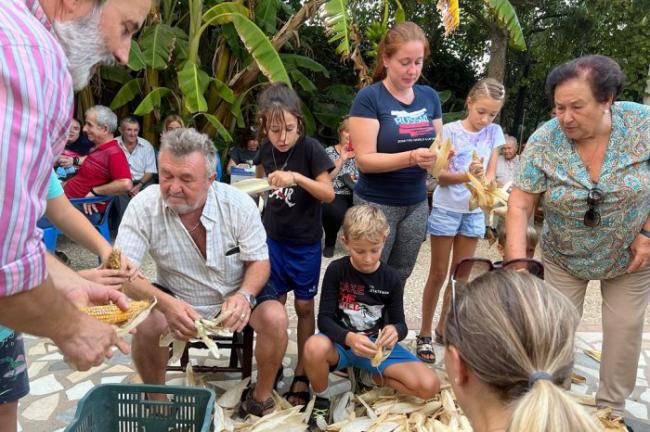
<point x="507" y="161"/>
<point x="139" y="153"/>
<point x="209" y="246"/>
<point x="105" y="171"/>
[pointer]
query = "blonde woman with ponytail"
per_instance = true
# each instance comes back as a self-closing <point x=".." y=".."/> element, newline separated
<point x="507" y="368"/>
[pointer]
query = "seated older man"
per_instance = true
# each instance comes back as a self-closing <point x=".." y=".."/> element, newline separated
<point x="209" y="246"/>
<point x="105" y="171"/>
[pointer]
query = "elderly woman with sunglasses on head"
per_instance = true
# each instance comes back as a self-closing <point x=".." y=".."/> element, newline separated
<point x="592" y="163"/>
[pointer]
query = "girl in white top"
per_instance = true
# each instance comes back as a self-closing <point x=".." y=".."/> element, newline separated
<point x="451" y="224"/>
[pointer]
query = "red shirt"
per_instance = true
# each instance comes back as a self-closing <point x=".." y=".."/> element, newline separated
<point x="103" y="165"/>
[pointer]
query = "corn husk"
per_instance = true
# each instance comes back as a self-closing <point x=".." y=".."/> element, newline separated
<point x="578" y="379"/>
<point x="114" y="261"/>
<point x="231" y="398"/>
<point x="610" y="422"/>
<point x="593" y="354"/>
<point x="381" y="355"/>
<point x="441" y="148"/>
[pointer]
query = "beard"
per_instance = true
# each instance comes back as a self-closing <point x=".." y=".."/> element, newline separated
<point x="84" y="46"/>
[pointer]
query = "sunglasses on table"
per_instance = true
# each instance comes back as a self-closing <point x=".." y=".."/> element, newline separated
<point x="595" y="197"/>
<point x="469" y="269"/>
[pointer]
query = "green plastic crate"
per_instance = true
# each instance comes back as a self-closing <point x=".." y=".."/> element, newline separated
<point x="123" y="408"/>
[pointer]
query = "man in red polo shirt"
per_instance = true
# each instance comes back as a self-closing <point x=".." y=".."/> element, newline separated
<point x="105" y="171"/>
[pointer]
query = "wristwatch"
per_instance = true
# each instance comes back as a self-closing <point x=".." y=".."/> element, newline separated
<point x="645" y="232"/>
<point x="252" y="301"/>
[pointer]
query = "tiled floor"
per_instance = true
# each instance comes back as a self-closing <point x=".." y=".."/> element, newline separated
<point x="56" y="390"/>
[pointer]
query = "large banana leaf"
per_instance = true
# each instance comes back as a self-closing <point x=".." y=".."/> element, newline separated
<point x="157" y="42"/>
<point x="151" y="101"/>
<point x="507" y="18"/>
<point x="400" y="15"/>
<point x="136" y="58"/>
<point x="304" y="82"/>
<point x="193" y="83"/>
<point x="260" y="48"/>
<point x="219" y="14"/>
<point x="224" y="91"/>
<point x="221" y="130"/>
<point x="335" y="16"/>
<point x="116" y="74"/>
<point x="304" y="62"/>
<point x="266" y="15"/>
<point x="126" y="94"/>
<point x="181" y="45"/>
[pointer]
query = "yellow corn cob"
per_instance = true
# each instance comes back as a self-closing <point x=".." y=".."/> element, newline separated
<point x="112" y="314"/>
<point x="114" y="261"/>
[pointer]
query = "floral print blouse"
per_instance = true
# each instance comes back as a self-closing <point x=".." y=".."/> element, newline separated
<point x="550" y="165"/>
<point x="349" y="167"/>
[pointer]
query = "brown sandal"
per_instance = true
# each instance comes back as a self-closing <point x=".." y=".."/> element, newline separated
<point x="250" y="406"/>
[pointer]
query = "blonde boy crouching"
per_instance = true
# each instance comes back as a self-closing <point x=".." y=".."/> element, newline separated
<point x="359" y="297"/>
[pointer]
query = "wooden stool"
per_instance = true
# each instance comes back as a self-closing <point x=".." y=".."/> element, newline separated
<point x="241" y="354"/>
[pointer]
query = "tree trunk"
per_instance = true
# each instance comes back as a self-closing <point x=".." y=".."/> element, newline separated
<point x="498" y="49"/>
<point x="646" y="98"/>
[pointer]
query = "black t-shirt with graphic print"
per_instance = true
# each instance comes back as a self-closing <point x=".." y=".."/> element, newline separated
<point x="292" y="214"/>
<point x="402" y="127"/>
<point x="351" y="301"/>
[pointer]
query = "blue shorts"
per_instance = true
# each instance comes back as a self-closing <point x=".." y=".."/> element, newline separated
<point x="447" y="223"/>
<point x="14" y="382"/>
<point x="349" y="359"/>
<point x="293" y="268"/>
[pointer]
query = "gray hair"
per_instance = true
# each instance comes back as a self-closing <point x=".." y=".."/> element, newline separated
<point x="104" y="117"/>
<point x="181" y="142"/>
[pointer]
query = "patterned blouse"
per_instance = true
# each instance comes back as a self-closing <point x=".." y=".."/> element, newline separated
<point x="349" y="167"/>
<point x="551" y="165"/>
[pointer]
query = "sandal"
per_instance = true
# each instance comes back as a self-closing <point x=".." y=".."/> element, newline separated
<point x="250" y="406"/>
<point x="424" y="349"/>
<point x="303" y="396"/>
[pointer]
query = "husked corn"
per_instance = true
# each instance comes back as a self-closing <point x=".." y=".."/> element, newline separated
<point x="112" y="314"/>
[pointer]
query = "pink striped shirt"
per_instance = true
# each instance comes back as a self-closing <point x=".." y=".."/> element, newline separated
<point x="35" y="111"/>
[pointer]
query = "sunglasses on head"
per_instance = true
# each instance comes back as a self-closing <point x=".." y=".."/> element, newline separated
<point x="594" y="199"/>
<point x="469" y="269"/>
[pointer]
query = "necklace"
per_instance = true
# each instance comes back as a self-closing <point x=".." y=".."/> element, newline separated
<point x="193" y="228"/>
<point x="286" y="162"/>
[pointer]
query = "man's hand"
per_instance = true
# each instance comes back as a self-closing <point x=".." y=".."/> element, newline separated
<point x="388" y="337"/>
<point x="86" y="342"/>
<point x="90" y="208"/>
<point x="180" y="317"/>
<point x="135" y="189"/>
<point x="126" y="265"/>
<point x="240" y="312"/>
<point x="640" y="248"/>
<point x="361" y="345"/>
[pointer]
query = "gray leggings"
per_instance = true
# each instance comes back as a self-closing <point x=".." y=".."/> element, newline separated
<point x="408" y="225"/>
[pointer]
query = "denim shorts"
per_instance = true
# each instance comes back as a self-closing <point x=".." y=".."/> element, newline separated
<point x="347" y="358"/>
<point x="293" y="268"/>
<point x="447" y="223"/>
<point x="14" y="382"/>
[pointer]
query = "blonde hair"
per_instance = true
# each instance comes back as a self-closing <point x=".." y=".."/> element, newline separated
<point x="172" y="118"/>
<point x="487" y="87"/>
<point x="526" y="327"/>
<point x="394" y="38"/>
<point x="365" y="222"/>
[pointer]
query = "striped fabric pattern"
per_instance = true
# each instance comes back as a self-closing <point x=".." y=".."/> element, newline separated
<point x="35" y="112"/>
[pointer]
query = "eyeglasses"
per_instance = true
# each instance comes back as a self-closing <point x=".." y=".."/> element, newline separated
<point x="594" y="198"/>
<point x="469" y="269"/>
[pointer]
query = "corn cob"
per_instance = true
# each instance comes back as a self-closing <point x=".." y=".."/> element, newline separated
<point x="441" y="149"/>
<point x="112" y="314"/>
<point x="114" y="261"/>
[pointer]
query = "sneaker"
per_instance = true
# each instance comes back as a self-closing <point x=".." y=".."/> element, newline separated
<point x="361" y="380"/>
<point x="320" y="415"/>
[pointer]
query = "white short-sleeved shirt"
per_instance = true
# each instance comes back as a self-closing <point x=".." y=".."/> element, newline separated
<point x="142" y="160"/>
<point x="231" y="220"/>
<point x="456" y="197"/>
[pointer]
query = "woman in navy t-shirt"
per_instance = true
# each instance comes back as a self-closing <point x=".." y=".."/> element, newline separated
<point x="392" y="125"/>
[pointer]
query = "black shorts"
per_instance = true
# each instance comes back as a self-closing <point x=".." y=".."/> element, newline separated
<point x="14" y="382"/>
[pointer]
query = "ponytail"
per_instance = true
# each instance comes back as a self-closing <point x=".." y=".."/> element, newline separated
<point x="546" y="407"/>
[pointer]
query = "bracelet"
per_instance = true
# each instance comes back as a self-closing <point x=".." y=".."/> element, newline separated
<point x="645" y="232"/>
<point x="92" y="191"/>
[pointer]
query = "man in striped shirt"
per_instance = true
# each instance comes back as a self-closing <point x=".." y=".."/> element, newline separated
<point x="46" y="46"/>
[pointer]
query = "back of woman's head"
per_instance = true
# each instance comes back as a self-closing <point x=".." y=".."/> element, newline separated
<point x="515" y="333"/>
<point x="394" y="38"/>
<point x="273" y="102"/>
